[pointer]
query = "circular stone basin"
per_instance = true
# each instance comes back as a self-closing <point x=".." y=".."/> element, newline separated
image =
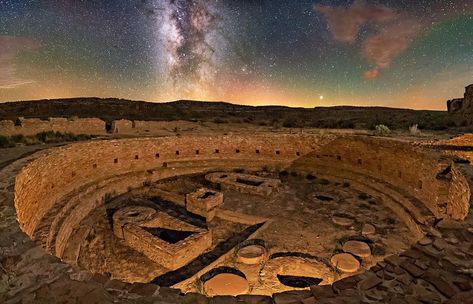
<point x="137" y="215"/>
<point x="357" y="248"/>
<point x="345" y="262"/>
<point x="251" y="254"/>
<point x="134" y="214"/>
<point x="226" y="284"/>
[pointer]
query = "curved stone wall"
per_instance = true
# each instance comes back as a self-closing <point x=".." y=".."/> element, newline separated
<point x="49" y="179"/>
<point x="430" y="179"/>
<point x="423" y="186"/>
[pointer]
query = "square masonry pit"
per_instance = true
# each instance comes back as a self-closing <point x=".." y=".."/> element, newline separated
<point x="204" y="202"/>
<point x="164" y="239"/>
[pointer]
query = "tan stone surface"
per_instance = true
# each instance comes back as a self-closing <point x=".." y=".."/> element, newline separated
<point x="345" y="262"/>
<point x="357" y="248"/>
<point x="226" y="284"/>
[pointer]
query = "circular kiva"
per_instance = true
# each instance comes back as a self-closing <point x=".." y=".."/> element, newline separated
<point x="251" y="254"/>
<point x="345" y="262"/>
<point x="357" y="248"/>
<point x="226" y="284"/>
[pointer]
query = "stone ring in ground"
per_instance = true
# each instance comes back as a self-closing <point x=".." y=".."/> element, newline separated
<point x="61" y="203"/>
<point x="251" y="254"/>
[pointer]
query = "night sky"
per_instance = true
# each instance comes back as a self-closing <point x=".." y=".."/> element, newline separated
<point x="399" y="53"/>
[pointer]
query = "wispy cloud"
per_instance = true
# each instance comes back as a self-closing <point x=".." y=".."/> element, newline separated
<point x="394" y="31"/>
<point x="9" y="48"/>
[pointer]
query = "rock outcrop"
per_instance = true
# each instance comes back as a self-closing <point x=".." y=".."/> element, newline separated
<point x="462" y="105"/>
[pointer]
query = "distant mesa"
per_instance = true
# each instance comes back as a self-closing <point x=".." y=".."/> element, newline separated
<point x="462" y="105"/>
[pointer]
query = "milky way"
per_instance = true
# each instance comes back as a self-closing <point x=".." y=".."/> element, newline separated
<point x="192" y="41"/>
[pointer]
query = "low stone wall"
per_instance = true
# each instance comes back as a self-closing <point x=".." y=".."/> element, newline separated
<point x="134" y="127"/>
<point x="93" y="126"/>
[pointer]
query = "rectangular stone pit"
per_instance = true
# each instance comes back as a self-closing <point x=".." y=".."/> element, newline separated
<point x="204" y="202"/>
<point x="245" y="183"/>
<point x="172" y="245"/>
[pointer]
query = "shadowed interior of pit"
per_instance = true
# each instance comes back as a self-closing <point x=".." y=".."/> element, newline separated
<point x="298" y="281"/>
<point x="169" y="235"/>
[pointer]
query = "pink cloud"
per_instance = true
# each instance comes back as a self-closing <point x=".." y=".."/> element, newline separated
<point x="395" y="31"/>
<point x="9" y="48"/>
<point x="390" y="42"/>
<point x="344" y="23"/>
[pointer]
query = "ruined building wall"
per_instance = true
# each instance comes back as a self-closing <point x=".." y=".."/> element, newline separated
<point x="129" y="127"/>
<point x="51" y="177"/>
<point x="462" y="105"/>
<point x="33" y="126"/>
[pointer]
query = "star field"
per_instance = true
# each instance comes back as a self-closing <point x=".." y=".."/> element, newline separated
<point x="412" y="54"/>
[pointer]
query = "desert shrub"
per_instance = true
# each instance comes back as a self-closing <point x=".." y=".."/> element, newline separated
<point x="57" y="137"/>
<point x="5" y="142"/>
<point x="382" y="130"/>
<point x="20" y="138"/>
<point x="292" y="123"/>
<point x="82" y="137"/>
<point x="346" y="124"/>
<point x="46" y="137"/>
<point x="414" y="130"/>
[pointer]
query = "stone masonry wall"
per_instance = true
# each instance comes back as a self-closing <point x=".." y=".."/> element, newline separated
<point x="400" y="164"/>
<point x="61" y="171"/>
<point x="129" y="127"/>
<point x="65" y="125"/>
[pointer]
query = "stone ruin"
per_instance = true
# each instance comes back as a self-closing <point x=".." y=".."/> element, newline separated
<point x="462" y="105"/>
<point x="56" y="204"/>
<point x="244" y="182"/>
